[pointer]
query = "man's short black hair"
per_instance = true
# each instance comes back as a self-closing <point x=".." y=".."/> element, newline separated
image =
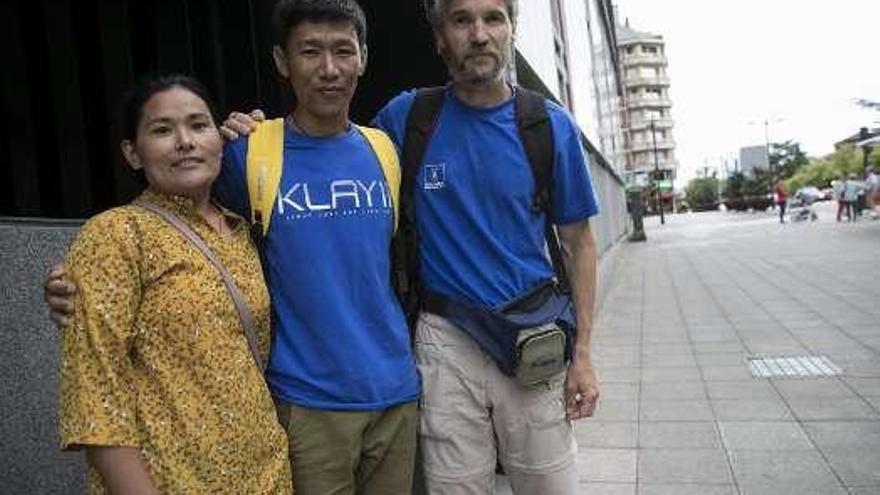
<point x="290" y="13"/>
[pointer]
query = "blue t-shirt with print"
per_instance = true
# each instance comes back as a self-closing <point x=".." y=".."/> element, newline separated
<point x="480" y="241"/>
<point x="341" y="341"/>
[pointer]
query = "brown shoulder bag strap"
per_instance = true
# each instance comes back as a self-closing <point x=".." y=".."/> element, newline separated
<point x="244" y="313"/>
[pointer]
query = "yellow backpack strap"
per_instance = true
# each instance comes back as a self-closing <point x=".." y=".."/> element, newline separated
<point x="385" y="151"/>
<point x="265" y="156"/>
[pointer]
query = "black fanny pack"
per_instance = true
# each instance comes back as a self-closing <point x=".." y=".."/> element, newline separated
<point x="529" y="337"/>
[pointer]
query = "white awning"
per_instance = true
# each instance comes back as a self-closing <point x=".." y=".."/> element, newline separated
<point x="874" y="141"/>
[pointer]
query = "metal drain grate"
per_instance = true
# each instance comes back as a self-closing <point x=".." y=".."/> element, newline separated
<point x="793" y="367"/>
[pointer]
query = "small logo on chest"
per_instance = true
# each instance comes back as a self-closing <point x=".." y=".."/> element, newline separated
<point x="435" y="176"/>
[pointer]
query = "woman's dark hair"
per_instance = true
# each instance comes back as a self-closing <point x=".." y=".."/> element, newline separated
<point x="290" y="13"/>
<point x="137" y="97"/>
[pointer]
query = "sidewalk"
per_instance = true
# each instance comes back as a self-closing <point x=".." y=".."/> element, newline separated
<point x="681" y="412"/>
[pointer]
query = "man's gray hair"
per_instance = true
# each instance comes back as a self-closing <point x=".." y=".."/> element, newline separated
<point x="434" y="10"/>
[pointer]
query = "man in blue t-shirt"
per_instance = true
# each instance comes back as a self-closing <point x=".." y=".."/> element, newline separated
<point x="481" y="244"/>
<point x="341" y="368"/>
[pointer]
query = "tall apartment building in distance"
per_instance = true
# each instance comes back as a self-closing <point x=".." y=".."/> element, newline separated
<point x="571" y="48"/>
<point x="647" y="109"/>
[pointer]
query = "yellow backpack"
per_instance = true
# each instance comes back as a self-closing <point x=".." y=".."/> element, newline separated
<point x="265" y="157"/>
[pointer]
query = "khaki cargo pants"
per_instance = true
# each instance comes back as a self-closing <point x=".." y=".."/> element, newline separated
<point x="472" y="414"/>
<point x="351" y="452"/>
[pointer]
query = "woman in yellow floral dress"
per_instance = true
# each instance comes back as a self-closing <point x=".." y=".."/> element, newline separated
<point x="157" y="381"/>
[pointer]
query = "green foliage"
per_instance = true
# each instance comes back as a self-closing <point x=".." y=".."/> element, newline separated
<point x="787" y="158"/>
<point x="820" y="172"/>
<point x="735" y="185"/>
<point x="702" y="193"/>
<point x="739" y="185"/>
<point x="742" y="192"/>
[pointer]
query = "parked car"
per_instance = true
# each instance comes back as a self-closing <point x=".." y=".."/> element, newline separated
<point x="809" y="195"/>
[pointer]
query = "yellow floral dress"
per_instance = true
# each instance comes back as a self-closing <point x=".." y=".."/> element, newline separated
<point x="156" y="358"/>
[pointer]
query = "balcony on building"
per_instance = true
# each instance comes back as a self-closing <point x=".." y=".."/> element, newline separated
<point x="662" y="144"/>
<point x="642" y="124"/>
<point x="637" y="81"/>
<point x="648" y="102"/>
<point x="643" y="59"/>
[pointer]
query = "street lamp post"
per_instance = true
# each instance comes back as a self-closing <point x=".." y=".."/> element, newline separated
<point x="767" y="121"/>
<point x="656" y="174"/>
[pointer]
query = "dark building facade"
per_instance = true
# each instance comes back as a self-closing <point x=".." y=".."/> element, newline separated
<point x="69" y="63"/>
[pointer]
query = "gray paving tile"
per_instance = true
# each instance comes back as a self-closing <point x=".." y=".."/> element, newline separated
<point x="855" y="467"/>
<point x="606" y="434"/>
<point x="792" y="471"/>
<point x="722" y="373"/>
<point x="741" y="389"/>
<point x="864" y="490"/>
<point x="664" y="466"/>
<point x="860" y="367"/>
<point x="763" y="348"/>
<point x="669" y="360"/>
<point x="675" y="410"/>
<point x="812" y="388"/>
<point x="651" y="338"/>
<point x="756" y="435"/>
<point x="617" y="356"/>
<point x="665" y="375"/>
<point x="617" y="410"/>
<point x="588" y="488"/>
<point x="785" y="489"/>
<point x="664" y="348"/>
<point x="718" y="347"/>
<point x="678" y="435"/>
<point x="617" y="375"/>
<point x="750" y="410"/>
<point x="862" y="330"/>
<point x="863" y="435"/>
<point x="864" y="386"/>
<point x="616" y="338"/>
<point x="673" y="390"/>
<point x="705" y="359"/>
<point x="830" y="409"/>
<point x="502" y="486"/>
<point x="687" y="490"/>
<point x="619" y="361"/>
<point x="607" y="465"/>
<point x="620" y="391"/>
<point x="848" y="353"/>
<point x="714" y="336"/>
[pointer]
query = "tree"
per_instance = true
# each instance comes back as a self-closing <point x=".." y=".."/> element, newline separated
<point x="820" y="172"/>
<point x="734" y="186"/>
<point x="702" y="193"/>
<point x="787" y="158"/>
<point x="742" y="192"/>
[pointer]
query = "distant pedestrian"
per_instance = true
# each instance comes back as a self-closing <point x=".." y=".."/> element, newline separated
<point x="781" y="198"/>
<point x="851" y="190"/>
<point x="872" y="185"/>
<point x="838" y="186"/>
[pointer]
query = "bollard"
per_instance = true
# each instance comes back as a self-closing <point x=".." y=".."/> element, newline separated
<point x="636" y="207"/>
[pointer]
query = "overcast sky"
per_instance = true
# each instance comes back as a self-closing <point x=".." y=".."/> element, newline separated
<point x="797" y="63"/>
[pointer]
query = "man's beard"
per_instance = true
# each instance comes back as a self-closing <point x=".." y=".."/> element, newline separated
<point x="465" y="74"/>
